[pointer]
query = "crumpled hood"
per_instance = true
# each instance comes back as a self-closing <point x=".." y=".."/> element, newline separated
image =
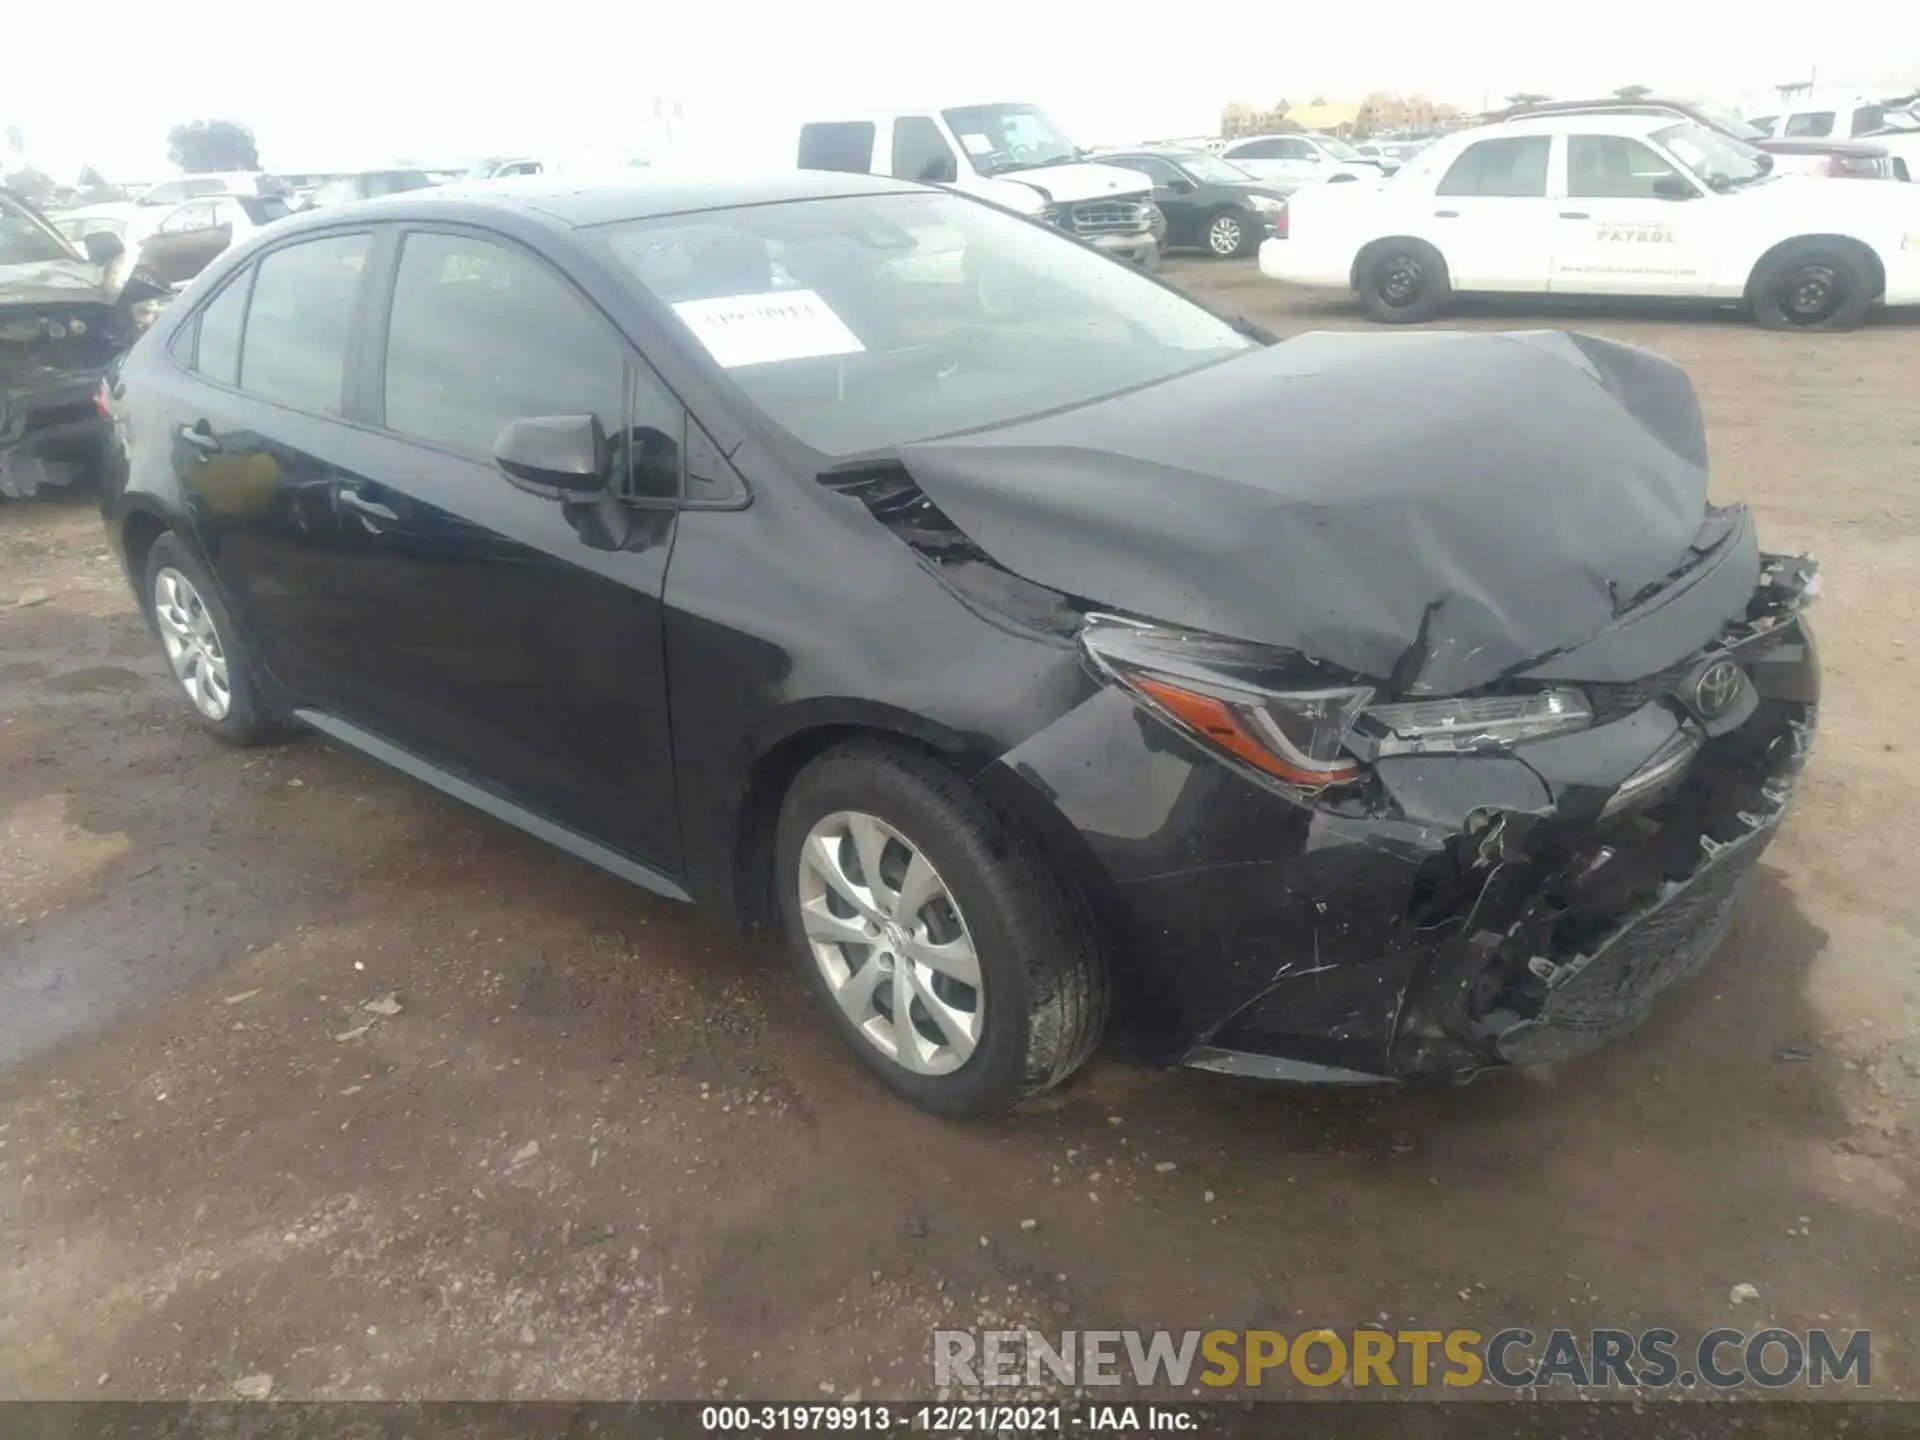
<point x="1071" y="183"/>
<point x="1431" y="511"/>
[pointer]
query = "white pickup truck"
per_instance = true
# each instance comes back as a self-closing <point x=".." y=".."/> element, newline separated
<point x="1895" y="128"/>
<point x="1613" y="205"/>
<point x="1011" y="154"/>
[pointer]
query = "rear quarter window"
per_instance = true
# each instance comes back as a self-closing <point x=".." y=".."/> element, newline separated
<point x="837" y="145"/>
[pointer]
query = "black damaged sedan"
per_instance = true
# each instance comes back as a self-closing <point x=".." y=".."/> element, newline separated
<point x="1057" y="663"/>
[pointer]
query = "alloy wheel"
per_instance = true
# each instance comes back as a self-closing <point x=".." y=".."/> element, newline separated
<point x="1223" y="236"/>
<point x="193" y="644"/>
<point x="891" y="943"/>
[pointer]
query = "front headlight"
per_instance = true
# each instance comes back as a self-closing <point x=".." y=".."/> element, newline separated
<point x="1285" y="717"/>
<point x="1261" y="709"/>
<point x="1448" y="727"/>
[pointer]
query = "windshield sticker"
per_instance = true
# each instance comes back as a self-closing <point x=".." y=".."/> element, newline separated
<point x="760" y="329"/>
<point x="977" y="144"/>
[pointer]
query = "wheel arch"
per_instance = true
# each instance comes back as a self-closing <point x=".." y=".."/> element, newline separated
<point x="139" y="529"/>
<point x="782" y="757"/>
<point x="808" y="733"/>
<point x="1876" y="266"/>
<point x="1365" y="255"/>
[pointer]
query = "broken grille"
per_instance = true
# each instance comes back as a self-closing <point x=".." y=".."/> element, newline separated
<point x="1651" y="953"/>
<point x="1099" y="217"/>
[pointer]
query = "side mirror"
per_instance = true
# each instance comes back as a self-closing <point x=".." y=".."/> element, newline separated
<point x="1180" y="186"/>
<point x="940" y="170"/>
<point x="1672" y="187"/>
<point x="103" y="247"/>
<point x="557" y="457"/>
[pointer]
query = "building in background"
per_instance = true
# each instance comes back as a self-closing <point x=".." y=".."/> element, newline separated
<point x="1382" y="112"/>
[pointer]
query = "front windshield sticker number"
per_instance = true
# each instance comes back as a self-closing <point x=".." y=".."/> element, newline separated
<point x="760" y="329"/>
<point x="977" y="144"/>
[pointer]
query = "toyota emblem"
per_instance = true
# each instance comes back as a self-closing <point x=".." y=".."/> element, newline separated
<point x="1715" y="688"/>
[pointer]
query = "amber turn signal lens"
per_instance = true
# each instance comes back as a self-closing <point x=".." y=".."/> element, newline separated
<point x="1216" y="720"/>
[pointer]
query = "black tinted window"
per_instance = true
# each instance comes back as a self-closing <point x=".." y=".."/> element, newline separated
<point x="1258" y="150"/>
<point x="481" y="335"/>
<point x="1868" y="118"/>
<point x="1500" y="167"/>
<point x="219" y="353"/>
<point x="1615" y="167"/>
<point x="920" y="152"/>
<point x="263" y="209"/>
<point x="1812" y="123"/>
<point x="842" y="145"/>
<point x="298" y="323"/>
<point x="1156" y="170"/>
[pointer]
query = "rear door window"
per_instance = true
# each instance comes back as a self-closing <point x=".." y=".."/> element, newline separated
<point x="1515" y="166"/>
<point x="1810" y="124"/>
<point x="845" y="145"/>
<point x="299" y="322"/>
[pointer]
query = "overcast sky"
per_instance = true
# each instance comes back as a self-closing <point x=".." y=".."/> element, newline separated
<point x="353" y="83"/>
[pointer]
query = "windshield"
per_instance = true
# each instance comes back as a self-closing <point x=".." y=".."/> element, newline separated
<point x="998" y="138"/>
<point x="862" y="323"/>
<point x="1211" y="170"/>
<point x="1718" y="160"/>
<point x="1339" y="149"/>
<point x="25" y="239"/>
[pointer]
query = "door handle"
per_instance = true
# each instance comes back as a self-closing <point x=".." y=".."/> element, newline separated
<point x="1446" y="214"/>
<point x="372" y="513"/>
<point x="200" y="436"/>
<point x="1575" y="215"/>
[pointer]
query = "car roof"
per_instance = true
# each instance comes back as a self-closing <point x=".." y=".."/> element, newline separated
<point x="571" y="202"/>
<point x="1586" y="122"/>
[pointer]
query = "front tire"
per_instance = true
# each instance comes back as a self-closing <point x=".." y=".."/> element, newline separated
<point x="1813" y="285"/>
<point x="954" y="963"/>
<point x="1403" y="282"/>
<point x="198" y="637"/>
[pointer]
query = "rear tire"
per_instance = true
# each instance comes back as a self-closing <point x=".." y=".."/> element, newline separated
<point x="1018" y="998"/>
<point x="1403" y="282"/>
<point x="1812" y="285"/>
<point x="200" y="642"/>
<point x="1227" y="234"/>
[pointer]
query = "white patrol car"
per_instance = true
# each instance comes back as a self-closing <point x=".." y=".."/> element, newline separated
<point x="1630" y="205"/>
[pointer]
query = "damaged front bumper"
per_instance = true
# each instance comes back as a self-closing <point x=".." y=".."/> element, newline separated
<point x="1467" y="911"/>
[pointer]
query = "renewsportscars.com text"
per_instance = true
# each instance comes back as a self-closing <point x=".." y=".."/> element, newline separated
<point x="1515" y="1358"/>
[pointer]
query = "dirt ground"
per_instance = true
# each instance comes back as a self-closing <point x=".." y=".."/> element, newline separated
<point x="604" y="1148"/>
